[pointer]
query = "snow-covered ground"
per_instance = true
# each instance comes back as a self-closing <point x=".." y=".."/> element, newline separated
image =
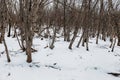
<point x="60" y="63"/>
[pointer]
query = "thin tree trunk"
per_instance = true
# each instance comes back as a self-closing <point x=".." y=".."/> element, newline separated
<point x="113" y="45"/>
<point x="111" y="40"/>
<point x="6" y="49"/>
<point x="87" y="40"/>
<point x="68" y="34"/>
<point x="53" y="40"/>
<point x="14" y="33"/>
<point x="80" y="40"/>
<point x="73" y="39"/>
<point x="64" y="23"/>
<point x="118" y="41"/>
<point x="9" y="29"/>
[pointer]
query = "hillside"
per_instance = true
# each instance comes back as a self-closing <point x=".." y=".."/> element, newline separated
<point x="60" y="63"/>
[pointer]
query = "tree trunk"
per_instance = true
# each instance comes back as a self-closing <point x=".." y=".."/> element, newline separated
<point x="73" y="39"/>
<point x="80" y="40"/>
<point x="6" y="49"/>
<point x="64" y="23"/>
<point x="28" y="51"/>
<point x="53" y="40"/>
<point x="118" y="39"/>
<point x="113" y="45"/>
<point x="9" y="29"/>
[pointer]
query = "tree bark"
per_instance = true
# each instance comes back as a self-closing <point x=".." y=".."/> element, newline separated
<point x="74" y="36"/>
<point x="6" y="49"/>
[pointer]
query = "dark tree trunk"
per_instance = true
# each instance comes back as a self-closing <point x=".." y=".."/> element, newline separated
<point x="113" y="45"/>
<point x="9" y="29"/>
<point x="64" y="21"/>
<point x="6" y="49"/>
<point x="118" y="39"/>
<point x="80" y="39"/>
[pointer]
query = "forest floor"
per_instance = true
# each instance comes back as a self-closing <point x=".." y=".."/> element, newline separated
<point x="60" y="63"/>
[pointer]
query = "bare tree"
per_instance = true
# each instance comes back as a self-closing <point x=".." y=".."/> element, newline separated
<point x="3" y="24"/>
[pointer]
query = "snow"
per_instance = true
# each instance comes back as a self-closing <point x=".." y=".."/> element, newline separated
<point x="60" y="63"/>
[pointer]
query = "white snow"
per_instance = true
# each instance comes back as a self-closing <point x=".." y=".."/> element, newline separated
<point x="60" y="63"/>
